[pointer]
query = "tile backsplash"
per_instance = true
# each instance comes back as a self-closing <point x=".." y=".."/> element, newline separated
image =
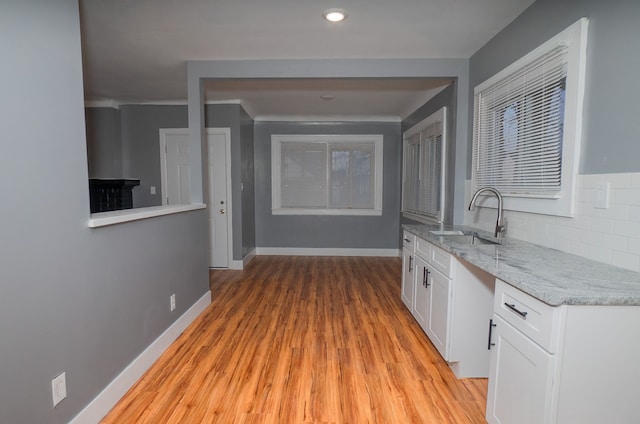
<point x="609" y="235"/>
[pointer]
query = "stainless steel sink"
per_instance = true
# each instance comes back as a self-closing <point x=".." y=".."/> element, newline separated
<point x="470" y="238"/>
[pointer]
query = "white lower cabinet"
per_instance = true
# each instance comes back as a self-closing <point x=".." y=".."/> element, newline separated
<point x="438" y="306"/>
<point x="451" y="301"/>
<point x="520" y="373"/>
<point x="421" y="304"/>
<point x="568" y="364"/>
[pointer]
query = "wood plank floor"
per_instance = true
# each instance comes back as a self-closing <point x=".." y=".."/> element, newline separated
<point x="303" y="340"/>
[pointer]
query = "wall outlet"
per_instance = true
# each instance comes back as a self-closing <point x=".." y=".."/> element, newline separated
<point x="153" y="189"/>
<point x="59" y="388"/>
<point x="172" y="301"/>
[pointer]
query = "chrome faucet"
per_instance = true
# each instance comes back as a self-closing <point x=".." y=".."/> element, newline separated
<point x="499" y="224"/>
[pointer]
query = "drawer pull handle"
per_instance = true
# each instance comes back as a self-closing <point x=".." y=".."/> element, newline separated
<point x="516" y="310"/>
<point x="410" y="263"/>
<point x="491" y="325"/>
<point x="407" y="240"/>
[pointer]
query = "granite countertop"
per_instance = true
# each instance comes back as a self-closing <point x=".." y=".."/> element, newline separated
<point x="553" y="276"/>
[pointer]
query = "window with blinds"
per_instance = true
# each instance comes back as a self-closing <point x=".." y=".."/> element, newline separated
<point x="423" y="169"/>
<point x="327" y="174"/>
<point x="527" y="126"/>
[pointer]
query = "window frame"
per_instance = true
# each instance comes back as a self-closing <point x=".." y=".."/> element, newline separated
<point x="376" y="140"/>
<point x="438" y="117"/>
<point x="562" y="203"/>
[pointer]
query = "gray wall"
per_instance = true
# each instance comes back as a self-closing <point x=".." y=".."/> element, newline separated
<point x="380" y="232"/>
<point x="85" y="301"/>
<point x="141" y="146"/>
<point x="446" y="97"/>
<point x="138" y="129"/>
<point x="104" y="144"/>
<point x="611" y="126"/>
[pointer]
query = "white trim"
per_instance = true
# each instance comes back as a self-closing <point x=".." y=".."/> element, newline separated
<point x="102" y="404"/>
<point x="276" y="143"/>
<point x="438" y="116"/>
<point x="103" y="219"/>
<point x="313" y="251"/>
<point x="226" y="131"/>
<point x="575" y="36"/>
<point x="163" y="133"/>
<point x="332" y="211"/>
<point x="103" y="103"/>
<point x="327" y="118"/>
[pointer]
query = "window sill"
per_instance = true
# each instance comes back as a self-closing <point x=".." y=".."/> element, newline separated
<point x="420" y="218"/>
<point x="103" y="219"/>
<point x="334" y="212"/>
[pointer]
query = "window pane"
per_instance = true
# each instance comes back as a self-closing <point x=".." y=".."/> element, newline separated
<point x="303" y="175"/>
<point x="351" y="177"/>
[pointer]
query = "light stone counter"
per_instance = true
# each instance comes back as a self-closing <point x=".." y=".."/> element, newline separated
<point x="554" y="277"/>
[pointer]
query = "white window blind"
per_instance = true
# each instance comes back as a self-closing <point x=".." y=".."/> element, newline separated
<point x="423" y="182"/>
<point x="328" y="174"/>
<point x="519" y="119"/>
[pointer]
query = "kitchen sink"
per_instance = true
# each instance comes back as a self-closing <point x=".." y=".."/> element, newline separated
<point x="465" y="237"/>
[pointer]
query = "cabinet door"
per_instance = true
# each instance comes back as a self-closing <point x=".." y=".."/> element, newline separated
<point x="520" y="378"/>
<point x="422" y="293"/>
<point x="407" y="278"/>
<point x="438" y="319"/>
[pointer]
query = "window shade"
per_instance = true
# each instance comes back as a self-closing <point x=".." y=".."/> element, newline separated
<point x="519" y="128"/>
<point x="423" y="171"/>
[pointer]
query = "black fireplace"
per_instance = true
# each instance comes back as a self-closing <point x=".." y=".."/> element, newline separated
<point x="111" y="194"/>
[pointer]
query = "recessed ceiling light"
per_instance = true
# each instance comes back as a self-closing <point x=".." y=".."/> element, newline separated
<point x="334" y="15"/>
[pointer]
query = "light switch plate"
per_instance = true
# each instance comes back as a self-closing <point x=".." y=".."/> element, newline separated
<point x="59" y="388"/>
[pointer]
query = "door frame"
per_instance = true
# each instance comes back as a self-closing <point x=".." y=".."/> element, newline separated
<point x="226" y="131"/>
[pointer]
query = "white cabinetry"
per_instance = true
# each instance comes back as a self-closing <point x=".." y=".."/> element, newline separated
<point x="408" y="264"/>
<point x="452" y="301"/>
<point x="563" y="364"/>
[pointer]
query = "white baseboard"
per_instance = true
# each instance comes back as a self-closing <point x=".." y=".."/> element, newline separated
<point x="102" y="404"/>
<point x="311" y="251"/>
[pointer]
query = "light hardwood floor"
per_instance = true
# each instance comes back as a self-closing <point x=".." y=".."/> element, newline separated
<point x="303" y="340"/>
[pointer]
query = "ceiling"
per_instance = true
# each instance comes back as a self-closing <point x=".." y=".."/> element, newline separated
<point x="135" y="51"/>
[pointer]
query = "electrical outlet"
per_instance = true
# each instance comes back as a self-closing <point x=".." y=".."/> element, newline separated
<point x="172" y="301"/>
<point x="59" y="388"/>
<point x="153" y="189"/>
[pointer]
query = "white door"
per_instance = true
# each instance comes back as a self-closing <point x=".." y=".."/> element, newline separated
<point x="407" y="278"/>
<point x="219" y="179"/>
<point x="175" y="170"/>
<point x="521" y="371"/>
<point x="421" y="293"/>
<point x="175" y="166"/>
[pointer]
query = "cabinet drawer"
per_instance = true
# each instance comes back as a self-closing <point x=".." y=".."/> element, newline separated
<point x="423" y="248"/>
<point x="535" y="319"/>
<point x="409" y="241"/>
<point x="441" y="260"/>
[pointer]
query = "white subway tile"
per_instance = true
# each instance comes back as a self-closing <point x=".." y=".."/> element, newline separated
<point x="599" y="254"/>
<point x="614" y="242"/>
<point x="634" y="213"/>
<point x="634" y="180"/>
<point x="627" y="229"/>
<point x="633" y="246"/>
<point x="617" y="180"/>
<point x="626" y="260"/>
